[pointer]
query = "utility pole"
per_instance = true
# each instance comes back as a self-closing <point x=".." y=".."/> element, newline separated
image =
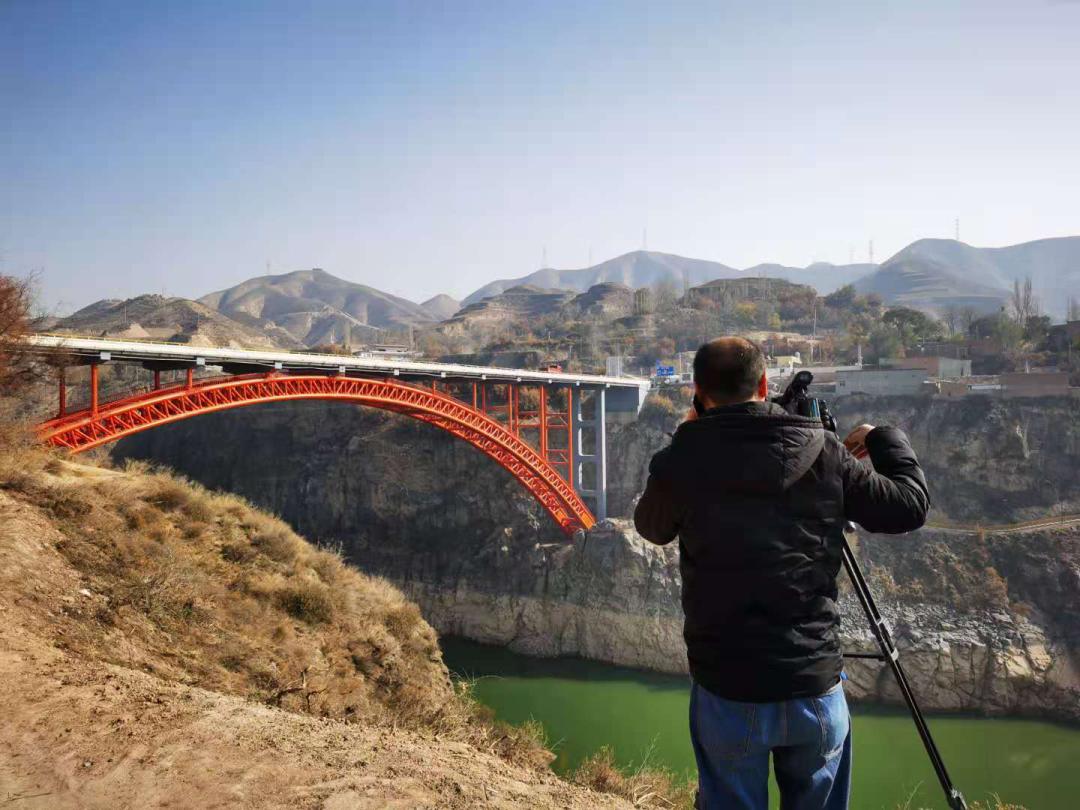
<point x="543" y="258"/>
<point x="957" y="223"/>
<point x="871" y="251"/>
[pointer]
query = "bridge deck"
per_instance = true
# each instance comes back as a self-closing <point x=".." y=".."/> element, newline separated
<point x="140" y="351"/>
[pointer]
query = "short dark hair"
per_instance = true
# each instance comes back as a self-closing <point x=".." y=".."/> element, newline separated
<point x="729" y="369"/>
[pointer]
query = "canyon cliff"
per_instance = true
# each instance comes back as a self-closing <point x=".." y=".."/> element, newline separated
<point x="986" y="620"/>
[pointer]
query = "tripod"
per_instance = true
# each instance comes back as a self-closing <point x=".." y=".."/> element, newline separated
<point x="891" y="656"/>
<point x="795" y="400"/>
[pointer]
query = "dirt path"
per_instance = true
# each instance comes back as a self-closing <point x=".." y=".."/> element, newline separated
<point x="82" y="734"/>
<point x="1057" y="522"/>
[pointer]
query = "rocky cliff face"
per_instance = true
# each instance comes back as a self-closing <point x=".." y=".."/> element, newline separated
<point x="986" y="621"/>
<point x="988" y="460"/>
<point x="615" y="597"/>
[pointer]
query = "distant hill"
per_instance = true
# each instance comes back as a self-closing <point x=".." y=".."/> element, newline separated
<point x="522" y="301"/>
<point x="933" y="274"/>
<point x="606" y="301"/>
<point x="156" y="317"/>
<point x="643" y="268"/>
<point x="441" y="307"/>
<point x="822" y="276"/>
<point x="317" y="307"/>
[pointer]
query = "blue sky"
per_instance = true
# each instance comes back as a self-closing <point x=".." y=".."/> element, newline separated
<point x="425" y="147"/>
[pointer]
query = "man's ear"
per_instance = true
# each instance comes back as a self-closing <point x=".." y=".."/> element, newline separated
<point x="763" y="387"/>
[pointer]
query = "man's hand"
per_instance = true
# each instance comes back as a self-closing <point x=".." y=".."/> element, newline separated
<point x="856" y="441"/>
<point x="691" y="414"/>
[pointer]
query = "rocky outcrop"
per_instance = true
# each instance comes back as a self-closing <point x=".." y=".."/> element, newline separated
<point x="614" y="597"/>
<point x="986" y="621"/>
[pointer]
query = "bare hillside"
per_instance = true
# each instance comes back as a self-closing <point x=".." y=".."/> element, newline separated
<point x="156" y="317"/>
<point x="282" y="298"/>
<point x="163" y="645"/>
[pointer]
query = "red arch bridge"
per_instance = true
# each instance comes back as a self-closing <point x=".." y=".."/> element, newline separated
<point x="533" y="423"/>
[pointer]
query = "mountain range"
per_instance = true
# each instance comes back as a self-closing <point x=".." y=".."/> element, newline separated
<point x="157" y="317"/>
<point x="644" y="268"/>
<point x="313" y="307"/>
<point x="932" y="274"/>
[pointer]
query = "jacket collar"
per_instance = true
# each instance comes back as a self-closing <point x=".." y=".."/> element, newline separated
<point x="752" y="407"/>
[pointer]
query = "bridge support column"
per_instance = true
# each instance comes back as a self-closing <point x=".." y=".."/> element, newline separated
<point x="94" y="389"/>
<point x="515" y="413"/>
<point x="543" y="423"/>
<point x="571" y="436"/>
<point x="597" y="492"/>
<point x="62" y="410"/>
<point x="157" y="379"/>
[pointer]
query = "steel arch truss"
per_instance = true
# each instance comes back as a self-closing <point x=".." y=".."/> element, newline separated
<point x="107" y="422"/>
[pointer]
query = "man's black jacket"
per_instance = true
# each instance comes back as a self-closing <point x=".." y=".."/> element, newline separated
<point x="759" y="498"/>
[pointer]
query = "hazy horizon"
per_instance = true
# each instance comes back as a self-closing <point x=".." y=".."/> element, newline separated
<point x="424" y="150"/>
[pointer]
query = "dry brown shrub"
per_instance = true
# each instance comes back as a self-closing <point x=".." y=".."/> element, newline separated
<point x="238" y="552"/>
<point x="643" y="787"/>
<point x="276" y="542"/>
<point x="307" y="601"/>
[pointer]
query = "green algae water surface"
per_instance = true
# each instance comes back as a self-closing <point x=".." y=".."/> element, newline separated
<point x="584" y="705"/>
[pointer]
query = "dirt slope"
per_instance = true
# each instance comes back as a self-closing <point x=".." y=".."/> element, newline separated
<point x="104" y="677"/>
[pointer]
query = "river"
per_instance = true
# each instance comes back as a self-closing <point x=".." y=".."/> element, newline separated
<point x="584" y="705"/>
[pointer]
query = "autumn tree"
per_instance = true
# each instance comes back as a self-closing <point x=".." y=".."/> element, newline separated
<point x="1023" y="303"/>
<point x="16" y="297"/>
<point x="664" y="295"/>
<point x="952" y="318"/>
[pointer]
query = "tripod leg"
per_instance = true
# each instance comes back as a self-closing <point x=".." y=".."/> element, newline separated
<point x="891" y="656"/>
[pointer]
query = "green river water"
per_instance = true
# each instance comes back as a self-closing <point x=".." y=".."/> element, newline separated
<point x="584" y="705"/>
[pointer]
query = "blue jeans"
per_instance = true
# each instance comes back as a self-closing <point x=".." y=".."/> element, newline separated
<point x="810" y="742"/>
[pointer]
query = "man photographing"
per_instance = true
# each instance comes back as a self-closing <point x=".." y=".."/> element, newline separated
<point x="759" y="499"/>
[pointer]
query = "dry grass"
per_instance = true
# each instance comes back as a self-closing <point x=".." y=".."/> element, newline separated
<point x="202" y="588"/>
<point x="994" y="804"/>
<point x="644" y="786"/>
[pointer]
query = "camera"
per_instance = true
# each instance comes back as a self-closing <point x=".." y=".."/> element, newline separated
<point x="796" y="400"/>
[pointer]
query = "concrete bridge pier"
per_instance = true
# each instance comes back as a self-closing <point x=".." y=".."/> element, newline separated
<point x="592" y="488"/>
